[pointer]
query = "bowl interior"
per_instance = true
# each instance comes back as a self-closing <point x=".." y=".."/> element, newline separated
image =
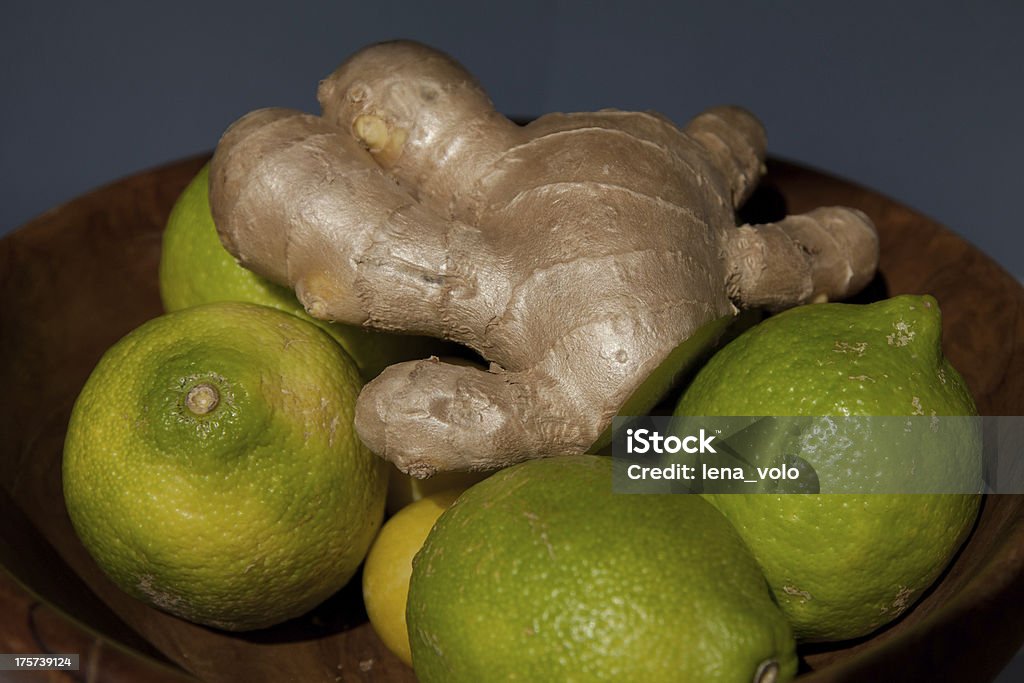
<point x="81" y="276"/>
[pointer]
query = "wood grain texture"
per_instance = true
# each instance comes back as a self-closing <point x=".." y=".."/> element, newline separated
<point x="81" y="276"/>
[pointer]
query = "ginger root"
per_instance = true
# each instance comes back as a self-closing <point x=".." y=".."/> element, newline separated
<point x="574" y="253"/>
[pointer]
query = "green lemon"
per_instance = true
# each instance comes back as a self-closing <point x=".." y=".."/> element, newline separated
<point x="389" y="566"/>
<point x="541" y="573"/>
<point x="195" y="268"/>
<point x="841" y="566"/>
<point x="211" y="468"/>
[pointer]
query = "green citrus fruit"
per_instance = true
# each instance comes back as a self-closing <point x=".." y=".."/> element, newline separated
<point x="841" y="566"/>
<point x="195" y="268"/>
<point x="541" y="573"/>
<point x="211" y="468"/>
<point x="389" y="566"/>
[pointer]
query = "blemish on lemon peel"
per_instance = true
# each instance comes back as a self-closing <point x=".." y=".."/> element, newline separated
<point x="796" y="592"/>
<point x="899" y="603"/>
<point x="332" y="430"/>
<point x="857" y="349"/>
<point x="538" y="526"/>
<point x="162" y="599"/>
<point x="902" y="334"/>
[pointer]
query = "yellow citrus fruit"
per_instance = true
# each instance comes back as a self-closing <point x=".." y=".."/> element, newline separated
<point x="389" y="566"/>
<point x="211" y="468"/>
<point x="541" y="573"/>
<point x="195" y="268"/>
<point x="841" y="566"/>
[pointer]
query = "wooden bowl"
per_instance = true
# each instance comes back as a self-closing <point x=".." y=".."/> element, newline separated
<point x="78" y="278"/>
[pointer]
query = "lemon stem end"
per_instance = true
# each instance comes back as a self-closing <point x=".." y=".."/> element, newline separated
<point x="202" y="398"/>
<point x="767" y="672"/>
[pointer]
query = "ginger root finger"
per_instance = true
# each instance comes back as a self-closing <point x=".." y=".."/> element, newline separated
<point x="737" y="142"/>
<point x="826" y="254"/>
<point x="429" y="416"/>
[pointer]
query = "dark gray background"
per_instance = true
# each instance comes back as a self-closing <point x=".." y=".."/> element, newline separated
<point x="914" y="99"/>
<point x="918" y="100"/>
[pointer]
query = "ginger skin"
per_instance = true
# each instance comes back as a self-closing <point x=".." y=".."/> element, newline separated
<point x="574" y="253"/>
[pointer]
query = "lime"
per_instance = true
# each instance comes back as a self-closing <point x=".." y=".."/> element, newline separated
<point x="541" y="573"/>
<point x="389" y="566"/>
<point x="841" y="566"/>
<point x="195" y="268"/>
<point x="211" y="468"/>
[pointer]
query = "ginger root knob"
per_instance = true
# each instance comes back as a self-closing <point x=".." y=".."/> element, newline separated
<point x="380" y="139"/>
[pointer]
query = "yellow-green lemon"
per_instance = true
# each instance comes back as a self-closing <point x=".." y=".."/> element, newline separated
<point x="842" y="565"/>
<point x="211" y="468"/>
<point x="541" y="573"/>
